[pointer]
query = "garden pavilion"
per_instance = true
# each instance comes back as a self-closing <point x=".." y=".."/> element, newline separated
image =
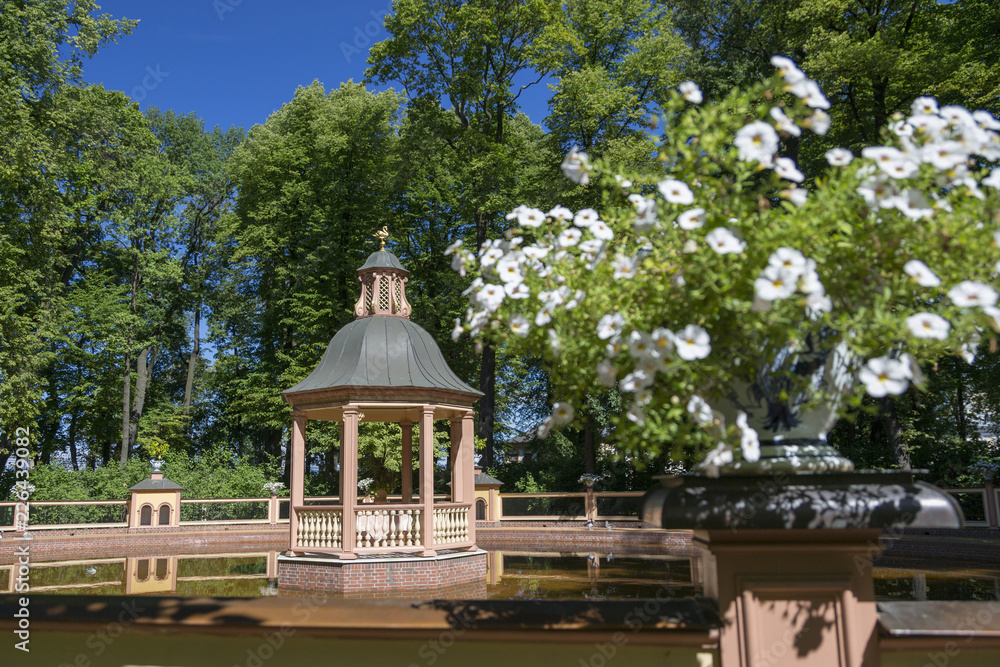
<point x="384" y="368"/>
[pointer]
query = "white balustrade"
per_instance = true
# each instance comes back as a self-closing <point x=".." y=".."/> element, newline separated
<point x="451" y="525"/>
<point x="388" y="527"/>
<point x="320" y="528"/>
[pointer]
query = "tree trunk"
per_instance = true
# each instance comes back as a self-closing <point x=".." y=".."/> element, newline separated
<point x="961" y="419"/>
<point x="192" y="362"/>
<point x="126" y="406"/>
<point x="487" y="404"/>
<point x="885" y="431"/>
<point x="143" y="370"/>
<point x="72" y="440"/>
<point x="589" y="454"/>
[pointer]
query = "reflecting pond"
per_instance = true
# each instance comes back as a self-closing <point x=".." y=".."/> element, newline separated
<point x="511" y="575"/>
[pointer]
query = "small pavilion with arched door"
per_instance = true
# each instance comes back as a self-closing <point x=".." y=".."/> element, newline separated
<point x="384" y="368"/>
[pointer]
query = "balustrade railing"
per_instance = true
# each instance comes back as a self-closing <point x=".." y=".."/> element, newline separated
<point x="382" y="527"/>
<point x="321" y="527"/>
<point x="451" y="524"/>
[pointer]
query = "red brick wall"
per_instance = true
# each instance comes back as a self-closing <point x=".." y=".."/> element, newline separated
<point x="370" y="578"/>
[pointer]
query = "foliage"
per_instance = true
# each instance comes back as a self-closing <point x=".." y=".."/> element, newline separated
<point x="685" y="286"/>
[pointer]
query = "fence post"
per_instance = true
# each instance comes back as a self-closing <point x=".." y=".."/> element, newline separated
<point x="272" y="509"/>
<point x="992" y="511"/>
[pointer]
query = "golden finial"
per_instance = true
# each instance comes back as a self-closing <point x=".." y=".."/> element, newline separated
<point x="382" y="236"/>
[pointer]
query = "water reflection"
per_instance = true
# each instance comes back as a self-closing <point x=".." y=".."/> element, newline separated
<point x="511" y="574"/>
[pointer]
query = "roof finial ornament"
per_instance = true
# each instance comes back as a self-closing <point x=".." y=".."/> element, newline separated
<point x="382" y="236"/>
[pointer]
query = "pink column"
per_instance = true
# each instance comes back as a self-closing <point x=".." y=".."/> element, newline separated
<point x="457" y="475"/>
<point x="427" y="479"/>
<point x="349" y="479"/>
<point x="467" y="451"/>
<point x="407" y="463"/>
<point x="297" y="480"/>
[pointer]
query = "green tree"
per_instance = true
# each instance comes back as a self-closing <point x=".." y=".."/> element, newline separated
<point x="47" y="203"/>
<point x="314" y="182"/>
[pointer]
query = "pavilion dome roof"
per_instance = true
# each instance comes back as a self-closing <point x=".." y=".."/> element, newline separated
<point x="383" y="352"/>
<point x="382" y="259"/>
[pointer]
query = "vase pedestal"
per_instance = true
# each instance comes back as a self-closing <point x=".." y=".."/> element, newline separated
<point x="788" y="556"/>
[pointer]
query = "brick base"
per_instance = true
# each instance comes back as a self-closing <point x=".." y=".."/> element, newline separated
<point x="374" y="577"/>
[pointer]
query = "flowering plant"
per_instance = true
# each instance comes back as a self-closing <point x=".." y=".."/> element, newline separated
<point x="723" y="266"/>
<point x="274" y="488"/>
<point x="365" y="484"/>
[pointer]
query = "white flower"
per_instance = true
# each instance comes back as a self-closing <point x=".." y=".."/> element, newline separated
<point x="775" y="283"/>
<point x="576" y="167"/>
<point x="534" y="252"/>
<point x="924" y="106"/>
<point x="920" y="273"/>
<point x="516" y="290"/>
<point x="607" y="373"/>
<point x="993" y="180"/>
<point x="809" y="92"/>
<point x="663" y="341"/>
<point x="970" y="293"/>
<point x="944" y="154"/>
<point x="519" y="325"/>
<point x="544" y="428"/>
<point x="645" y="209"/>
<point x="569" y="237"/>
<point x="458" y="263"/>
<point x="530" y="217"/>
<point x="453" y="247"/>
<point x="691" y="92"/>
<point x="562" y="413"/>
<point x="640" y="344"/>
<point x="490" y="297"/>
<point x="913" y="204"/>
<point x="635" y="413"/>
<point x="691" y="219"/>
<point x="700" y="410"/>
<point x="635" y="381"/>
<point x="839" y="157"/>
<point x="785" y="167"/>
<point x="784" y="123"/>
<point x="724" y="242"/>
<point x="600" y="230"/>
<point x="544" y="316"/>
<point x="756" y="141"/>
<point x="610" y="326"/>
<point x="490" y="256"/>
<point x="882" y="376"/>
<point x="586" y="218"/>
<point x="575" y="301"/>
<point x="882" y="154"/>
<point x="715" y="459"/>
<point x="560" y="214"/>
<point x="986" y="120"/>
<point x="817" y="303"/>
<point x="456" y="333"/>
<point x="676" y="192"/>
<point x="749" y="440"/>
<point x="819" y="122"/>
<point x="788" y="259"/>
<point x="692" y="342"/>
<point x="797" y="196"/>
<point x="791" y="73"/>
<point x="625" y="267"/>
<point x="900" y="168"/>
<point x="509" y="268"/>
<point x="928" y="325"/>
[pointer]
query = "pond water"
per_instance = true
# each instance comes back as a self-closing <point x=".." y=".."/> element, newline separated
<point x="512" y="575"/>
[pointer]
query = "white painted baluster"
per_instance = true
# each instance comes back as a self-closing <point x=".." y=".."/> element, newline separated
<point x="360" y="521"/>
<point x="415" y="526"/>
<point x="327" y="528"/>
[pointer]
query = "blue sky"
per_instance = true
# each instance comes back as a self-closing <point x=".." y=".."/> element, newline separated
<point x="235" y="62"/>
